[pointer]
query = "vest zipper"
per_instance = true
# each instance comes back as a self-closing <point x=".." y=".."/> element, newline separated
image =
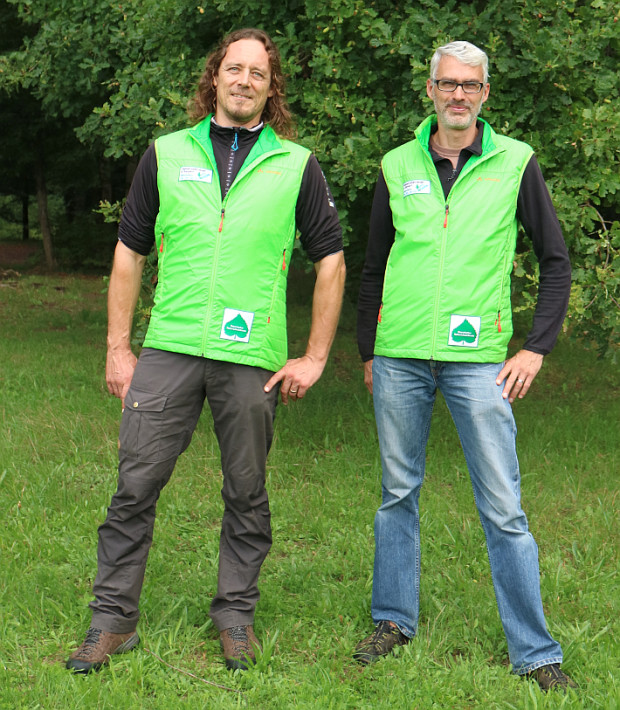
<point x="284" y="260"/>
<point x="222" y="220"/>
<point x="442" y="254"/>
<point x="161" y="246"/>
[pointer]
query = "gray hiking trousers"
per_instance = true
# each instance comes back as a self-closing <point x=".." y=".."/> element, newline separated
<point x="162" y="407"/>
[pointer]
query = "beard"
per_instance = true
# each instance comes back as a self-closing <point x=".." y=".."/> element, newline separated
<point x="459" y="122"/>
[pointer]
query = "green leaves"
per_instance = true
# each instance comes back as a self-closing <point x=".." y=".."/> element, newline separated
<point x="120" y="74"/>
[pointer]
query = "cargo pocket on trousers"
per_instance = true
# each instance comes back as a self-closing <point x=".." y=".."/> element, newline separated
<point x="142" y="426"/>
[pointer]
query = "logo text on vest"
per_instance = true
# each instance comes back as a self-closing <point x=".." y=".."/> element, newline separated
<point x="416" y="187"/>
<point x="195" y="174"/>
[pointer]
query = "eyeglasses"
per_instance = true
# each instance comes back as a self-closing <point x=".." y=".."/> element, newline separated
<point x="469" y="87"/>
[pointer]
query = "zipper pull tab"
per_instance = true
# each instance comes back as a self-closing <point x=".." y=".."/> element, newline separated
<point x="498" y="321"/>
<point x="161" y="246"/>
<point x="284" y="260"/>
<point x="235" y="144"/>
<point x="445" y="221"/>
<point x="221" y="221"/>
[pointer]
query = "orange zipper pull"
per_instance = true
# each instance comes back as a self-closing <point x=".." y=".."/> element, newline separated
<point x="221" y="221"/>
<point x="161" y="246"/>
<point x="284" y="260"/>
<point x="445" y="222"/>
<point x="498" y="321"/>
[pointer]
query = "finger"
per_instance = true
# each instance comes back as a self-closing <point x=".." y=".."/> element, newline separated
<point x="503" y="374"/>
<point x="525" y="385"/>
<point x="273" y="380"/>
<point x="517" y="388"/>
<point x="508" y="385"/>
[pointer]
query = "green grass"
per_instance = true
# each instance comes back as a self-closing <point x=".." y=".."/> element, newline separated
<point x="58" y="471"/>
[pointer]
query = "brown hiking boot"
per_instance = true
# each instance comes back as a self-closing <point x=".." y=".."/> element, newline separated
<point x="239" y="644"/>
<point x="381" y="642"/>
<point x="551" y="677"/>
<point x="97" y="648"/>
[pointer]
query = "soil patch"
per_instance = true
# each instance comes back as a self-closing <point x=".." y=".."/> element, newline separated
<point x="13" y="254"/>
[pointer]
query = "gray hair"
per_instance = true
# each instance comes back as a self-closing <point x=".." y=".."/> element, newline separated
<point x="464" y="52"/>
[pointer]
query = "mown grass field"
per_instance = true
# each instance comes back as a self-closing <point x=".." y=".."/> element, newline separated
<point x="58" y="471"/>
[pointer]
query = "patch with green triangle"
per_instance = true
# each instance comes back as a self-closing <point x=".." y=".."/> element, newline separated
<point x="236" y="325"/>
<point x="464" y="331"/>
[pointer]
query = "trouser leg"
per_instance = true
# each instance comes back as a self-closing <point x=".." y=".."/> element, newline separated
<point x="161" y="410"/>
<point x="486" y="427"/>
<point x="243" y="415"/>
<point x="404" y="394"/>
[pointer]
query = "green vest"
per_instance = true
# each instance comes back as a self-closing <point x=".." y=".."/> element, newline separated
<point x="223" y="264"/>
<point x="446" y="294"/>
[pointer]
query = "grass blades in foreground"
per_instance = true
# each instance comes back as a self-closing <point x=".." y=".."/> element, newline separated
<point x="58" y="471"/>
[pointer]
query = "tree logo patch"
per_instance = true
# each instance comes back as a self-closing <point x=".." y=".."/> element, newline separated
<point x="236" y="325"/>
<point x="464" y="331"/>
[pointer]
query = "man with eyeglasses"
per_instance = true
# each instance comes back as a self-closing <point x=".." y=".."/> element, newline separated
<point x="434" y="313"/>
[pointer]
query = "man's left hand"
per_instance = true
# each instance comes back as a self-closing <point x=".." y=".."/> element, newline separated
<point x="519" y="373"/>
<point x="297" y="376"/>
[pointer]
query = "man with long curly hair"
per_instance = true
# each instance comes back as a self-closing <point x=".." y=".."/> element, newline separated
<point x="222" y="201"/>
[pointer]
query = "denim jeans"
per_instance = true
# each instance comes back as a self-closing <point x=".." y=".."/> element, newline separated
<point x="404" y="394"/>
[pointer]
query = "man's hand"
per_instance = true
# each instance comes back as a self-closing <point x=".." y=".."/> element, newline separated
<point x="123" y="294"/>
<point x="519" y="373"/>
<point x="119" y="367"/>
<point x="297" y="376"/>
<point x="368" y="375"/>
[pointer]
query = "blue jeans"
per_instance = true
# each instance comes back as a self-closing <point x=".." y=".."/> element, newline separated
<point x="404" y="394"/>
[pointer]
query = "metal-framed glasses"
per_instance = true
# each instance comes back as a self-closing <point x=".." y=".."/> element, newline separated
<point x="469" y="87"/>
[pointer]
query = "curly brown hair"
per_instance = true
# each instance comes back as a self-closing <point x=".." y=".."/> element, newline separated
<point x="276" y="112"/>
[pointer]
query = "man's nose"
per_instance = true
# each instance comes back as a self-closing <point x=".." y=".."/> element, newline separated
<point x="244" y="77"/>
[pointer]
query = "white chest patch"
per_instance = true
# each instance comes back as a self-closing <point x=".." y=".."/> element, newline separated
<point x="195" y="174"/>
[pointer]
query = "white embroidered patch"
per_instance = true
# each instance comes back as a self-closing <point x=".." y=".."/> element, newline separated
<point x="236" y="325"/>
<point x="416" y="187"/>
<point x="196" y="174"/>
<point x="464" y="331"/>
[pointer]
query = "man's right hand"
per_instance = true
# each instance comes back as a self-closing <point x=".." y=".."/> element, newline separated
<point x="123" y="292"/>
<point x="368" y="375"/>
<point x="119" y="367"/>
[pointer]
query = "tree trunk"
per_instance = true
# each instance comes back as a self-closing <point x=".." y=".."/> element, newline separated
<point x="25" y="223"/>
<point x="44" y="221"/>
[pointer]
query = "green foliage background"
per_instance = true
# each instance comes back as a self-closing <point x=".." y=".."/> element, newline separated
<point x="120" y="73"/>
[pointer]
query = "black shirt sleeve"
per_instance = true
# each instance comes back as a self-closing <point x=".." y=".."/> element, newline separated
<point x="316" y="214"/>
<point x="137" y="227"/>
<point x="536" y="213"/>
<point x="380" y="241"/>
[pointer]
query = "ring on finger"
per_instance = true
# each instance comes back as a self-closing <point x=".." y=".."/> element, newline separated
<point x="521" y="381"/>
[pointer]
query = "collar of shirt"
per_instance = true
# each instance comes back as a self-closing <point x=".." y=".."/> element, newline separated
<point x="475" y="148"/>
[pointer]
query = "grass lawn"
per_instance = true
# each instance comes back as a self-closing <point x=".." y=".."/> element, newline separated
<point x="58" y="472"/>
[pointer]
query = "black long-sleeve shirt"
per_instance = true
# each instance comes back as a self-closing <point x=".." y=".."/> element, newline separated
<point x="536" y="213"/>
<point x="315" y="214"/>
